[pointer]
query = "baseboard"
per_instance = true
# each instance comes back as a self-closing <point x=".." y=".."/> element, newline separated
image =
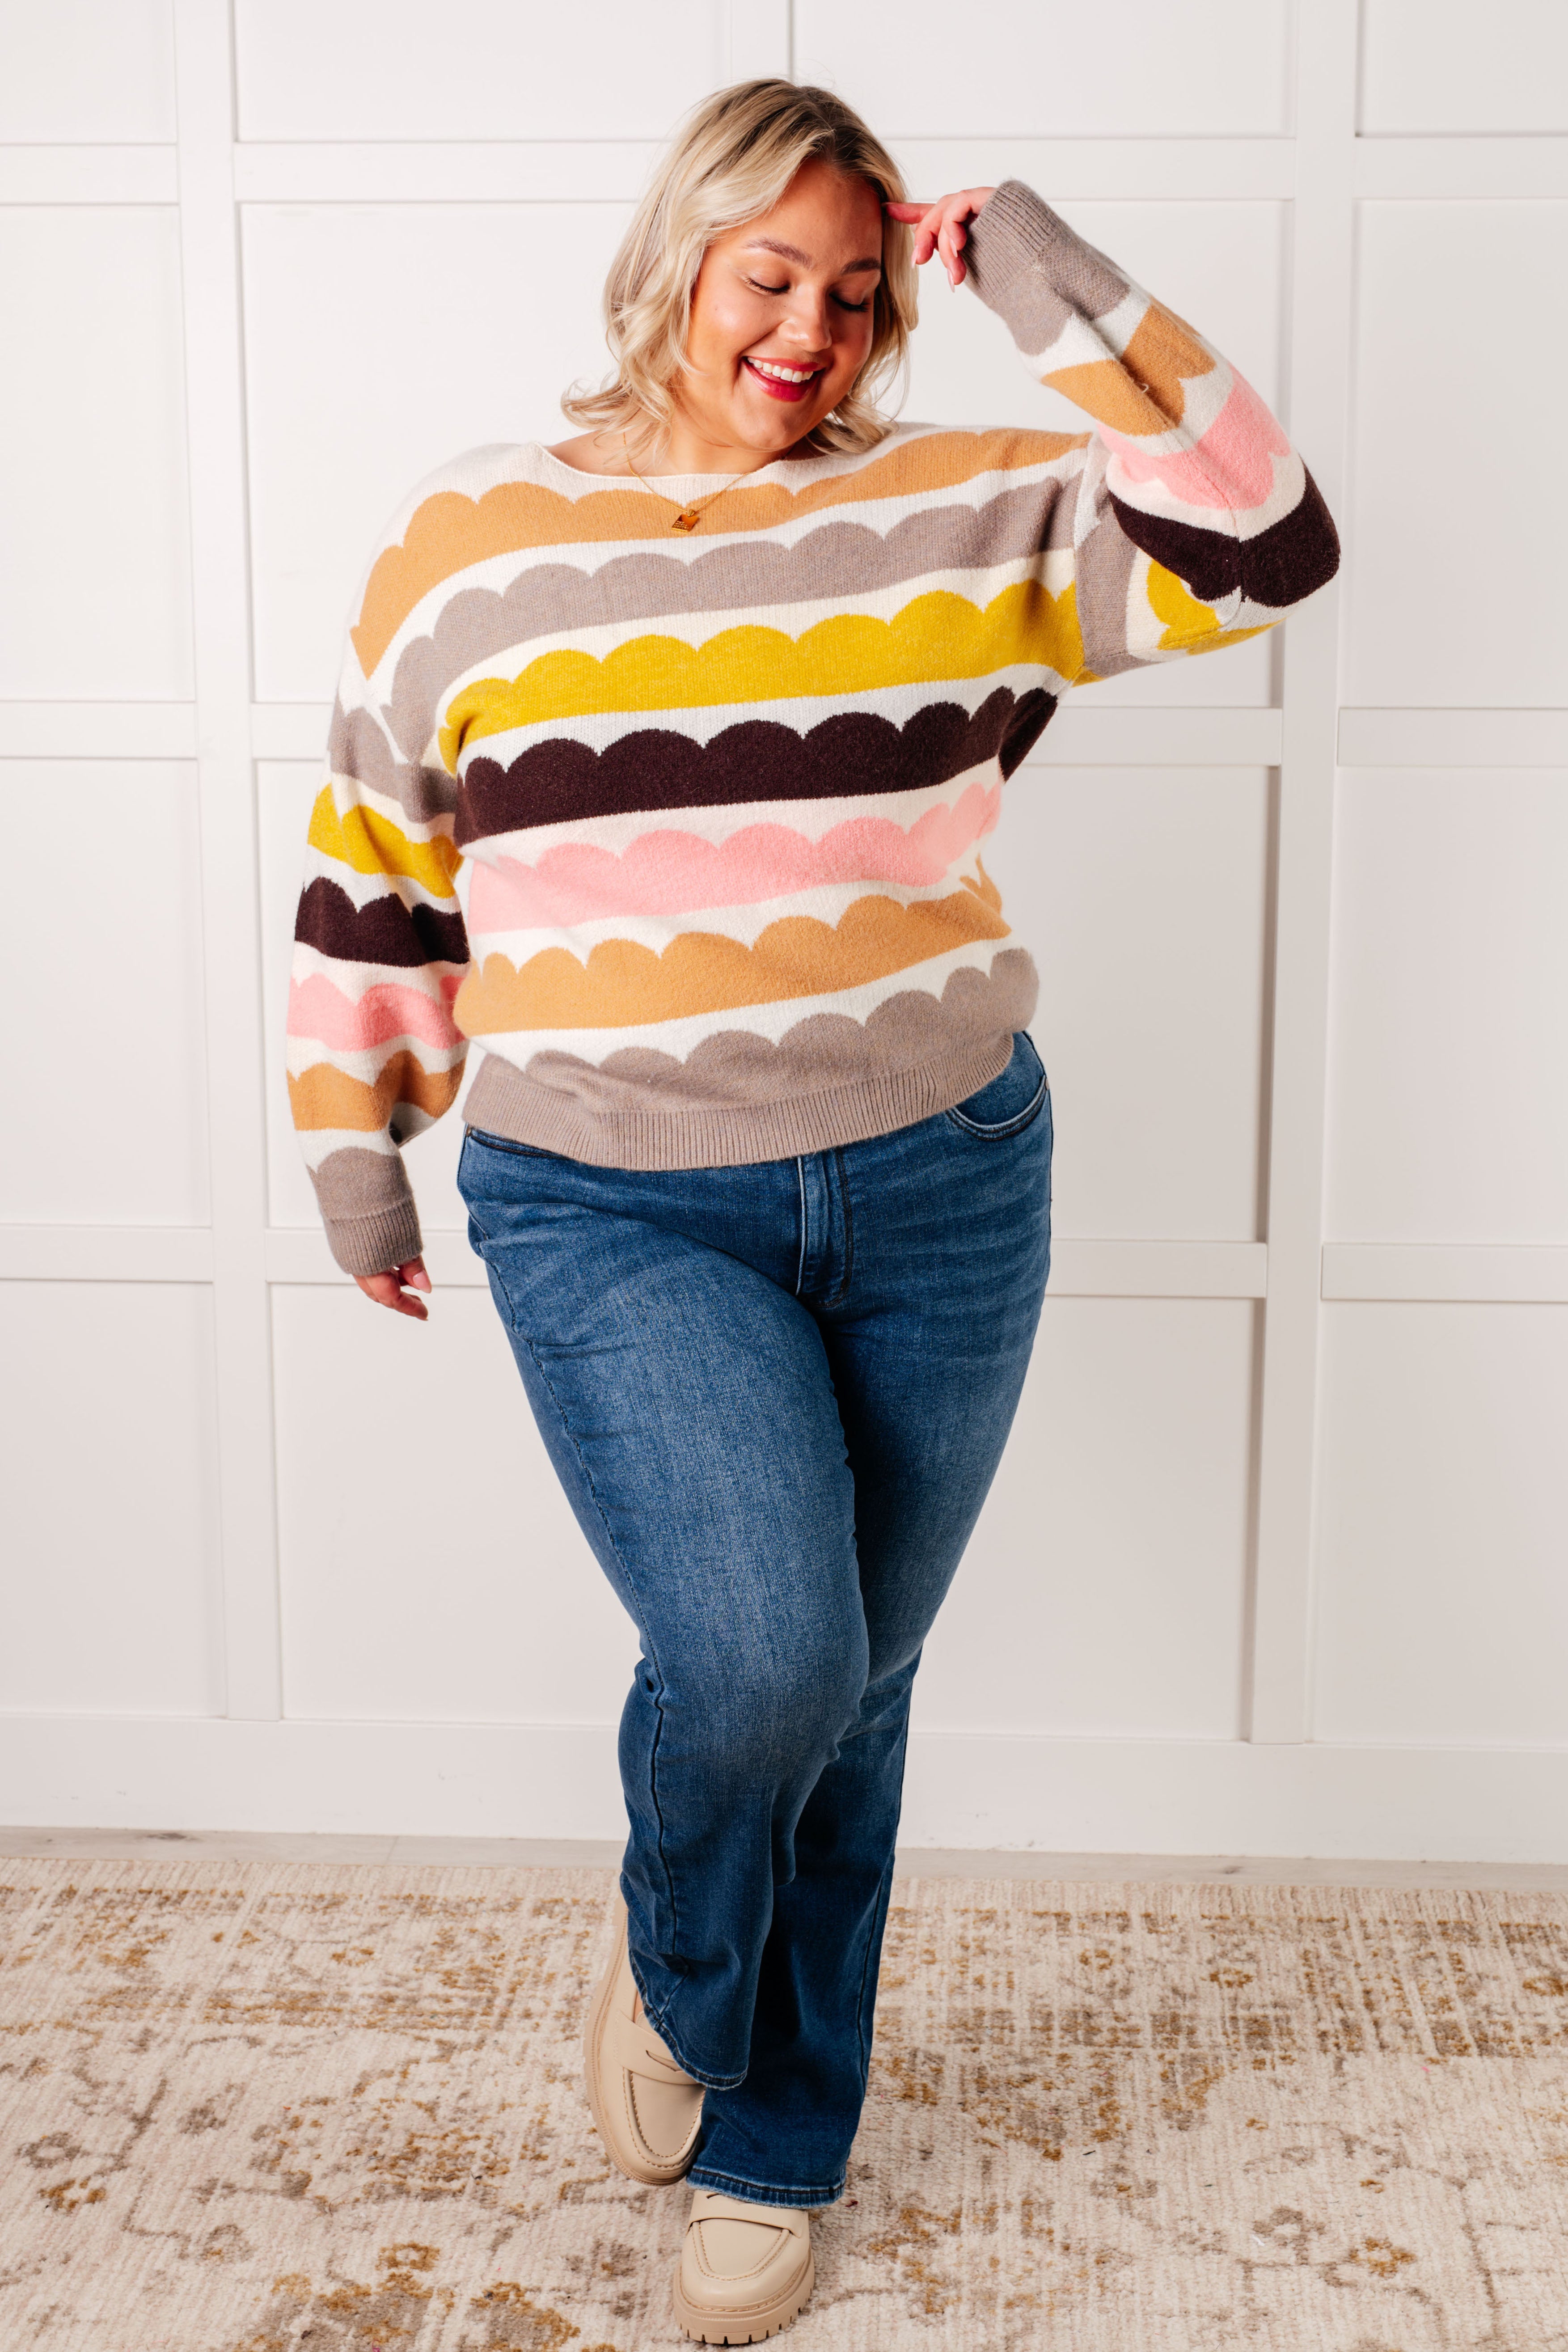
<point x="965" y="1789"/>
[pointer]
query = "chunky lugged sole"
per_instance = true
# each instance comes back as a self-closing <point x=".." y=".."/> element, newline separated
<point x="650" y="2176"/>
<point x="750" y="2327"/>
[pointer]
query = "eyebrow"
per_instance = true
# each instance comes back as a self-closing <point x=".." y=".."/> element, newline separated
<point x="793" y="253"/>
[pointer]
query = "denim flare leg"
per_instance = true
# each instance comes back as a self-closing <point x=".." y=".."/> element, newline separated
<point x="776" y="1396"/>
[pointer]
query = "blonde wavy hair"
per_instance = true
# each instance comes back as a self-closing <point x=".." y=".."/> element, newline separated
<point x="730" y="160"/>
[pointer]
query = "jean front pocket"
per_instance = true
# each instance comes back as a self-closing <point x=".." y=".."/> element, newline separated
<point x="1011" y="1102"/>
<point x="505" y="1143"/>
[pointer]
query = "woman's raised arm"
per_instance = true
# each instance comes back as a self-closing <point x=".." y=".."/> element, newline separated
<point x="1195" y="520"/>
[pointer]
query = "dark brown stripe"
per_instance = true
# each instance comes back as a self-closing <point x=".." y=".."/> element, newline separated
<point x="855" y="751"/>
<point x="383" y="932"/>
<point x="1281" y="566"/>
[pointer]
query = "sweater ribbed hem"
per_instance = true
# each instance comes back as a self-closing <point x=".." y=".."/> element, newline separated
<point x="505" y="1101"/>
<point x="376" y="1242"/>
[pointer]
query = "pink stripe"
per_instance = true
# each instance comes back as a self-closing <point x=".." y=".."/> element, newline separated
<point x="1231" y="465"/>
<point x="326" y="1016"/>
<point x="669" y="873"/>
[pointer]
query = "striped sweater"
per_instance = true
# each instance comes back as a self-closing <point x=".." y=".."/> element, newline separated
<point x="723" y="794"/>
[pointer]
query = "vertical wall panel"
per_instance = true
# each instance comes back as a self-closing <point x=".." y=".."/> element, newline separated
<point x="1141" y="894"/>
<point x="1440" y="65"/>
<point x="1219" y="66"/>
<point x="1102" y="1592"/>
<point x="111" y="1594"/>
<point x="432" y="1568"/>
<point x="381" y="341"/>
<point x="1443" y="1607"/>
<point x="101" y="1062"/>
<point x="476" y="69"/>
<point x="1448" y="1114"/>
<point x="95" y="588"/>
<point x="1456" y="591"/>
<point x="76" y="72"/>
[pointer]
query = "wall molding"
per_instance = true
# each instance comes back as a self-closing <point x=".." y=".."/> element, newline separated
<point x="611" y="171"/>
<point x="226" y="786"/>
<point x="1492" y="1274"/>
<point x="1453" y="738"/>
<point x="1520" y="164"/>
<point x="1416" y="1273"/>
<point x="1026" y="1790"/>
<point x="1080" y="1269"/>
<point x="1278" y="1678"/>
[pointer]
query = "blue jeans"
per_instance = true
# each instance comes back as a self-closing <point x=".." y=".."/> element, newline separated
<point x="776" y="1396"/>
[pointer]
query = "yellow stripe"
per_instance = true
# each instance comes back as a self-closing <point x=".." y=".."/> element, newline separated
<point x="938" y="637"/>
<point x="1190" y="627"/>
<point x="372" y="844"/>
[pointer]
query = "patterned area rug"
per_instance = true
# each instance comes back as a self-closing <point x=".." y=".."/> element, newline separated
<point x="267" y="2109"/>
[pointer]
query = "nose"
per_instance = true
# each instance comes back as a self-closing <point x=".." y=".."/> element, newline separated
<point x="806" y="325"/>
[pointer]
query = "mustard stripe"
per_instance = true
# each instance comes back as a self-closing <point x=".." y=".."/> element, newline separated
<point x="370" y="844"/>
<point x="1190" y="627"/>
<point x="939" y="636"/>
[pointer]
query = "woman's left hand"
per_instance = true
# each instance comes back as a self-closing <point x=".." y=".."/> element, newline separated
<point x="939" y="228"/>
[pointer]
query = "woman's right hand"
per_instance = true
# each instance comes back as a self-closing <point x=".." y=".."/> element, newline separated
<point x="388" y="1290"/>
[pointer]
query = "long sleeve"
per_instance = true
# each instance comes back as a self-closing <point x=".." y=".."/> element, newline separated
<point x="380" y="951"/>
<point x="1196" y="522"/>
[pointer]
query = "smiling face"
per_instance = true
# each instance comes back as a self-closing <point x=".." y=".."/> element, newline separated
<point x="782" y="317"/>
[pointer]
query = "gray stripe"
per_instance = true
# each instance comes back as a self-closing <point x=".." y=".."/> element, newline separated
<point x="357" y="746"/>
<point x="1028" y="267"/>
<point x="739" y="1075"/>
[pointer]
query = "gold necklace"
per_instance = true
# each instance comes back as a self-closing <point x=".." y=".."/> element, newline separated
<point x="689" y="516"/>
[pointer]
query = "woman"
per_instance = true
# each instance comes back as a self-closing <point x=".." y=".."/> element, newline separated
<point x="719" y="696"/>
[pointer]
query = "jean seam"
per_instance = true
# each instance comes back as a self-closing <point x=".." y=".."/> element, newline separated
<point x="841" y="1291"/>
<point x="643" y="1627"/>
<point x="878" y="1912"/>
<point x="800" y="1268"/>
<point x="709" y="2080"/>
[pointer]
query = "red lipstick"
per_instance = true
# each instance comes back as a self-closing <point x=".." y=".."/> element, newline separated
<point x="774" y="384"/>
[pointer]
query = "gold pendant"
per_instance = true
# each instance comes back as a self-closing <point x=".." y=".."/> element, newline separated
<point x="686" y="522"/>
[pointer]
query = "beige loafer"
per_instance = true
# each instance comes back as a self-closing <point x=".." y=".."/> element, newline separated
<point x="746" y="2270"/>
<point x="646" y="2108"/>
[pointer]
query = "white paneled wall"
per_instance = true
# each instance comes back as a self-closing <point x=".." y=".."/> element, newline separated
<point x="1274" y="1559"/>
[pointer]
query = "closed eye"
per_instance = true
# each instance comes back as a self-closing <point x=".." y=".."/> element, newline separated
<point x="784" y="290"/>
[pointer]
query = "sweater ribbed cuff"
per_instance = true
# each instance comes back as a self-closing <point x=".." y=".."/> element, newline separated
<point x="1013" y="232"/>
<point x="377" y="1242"/>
